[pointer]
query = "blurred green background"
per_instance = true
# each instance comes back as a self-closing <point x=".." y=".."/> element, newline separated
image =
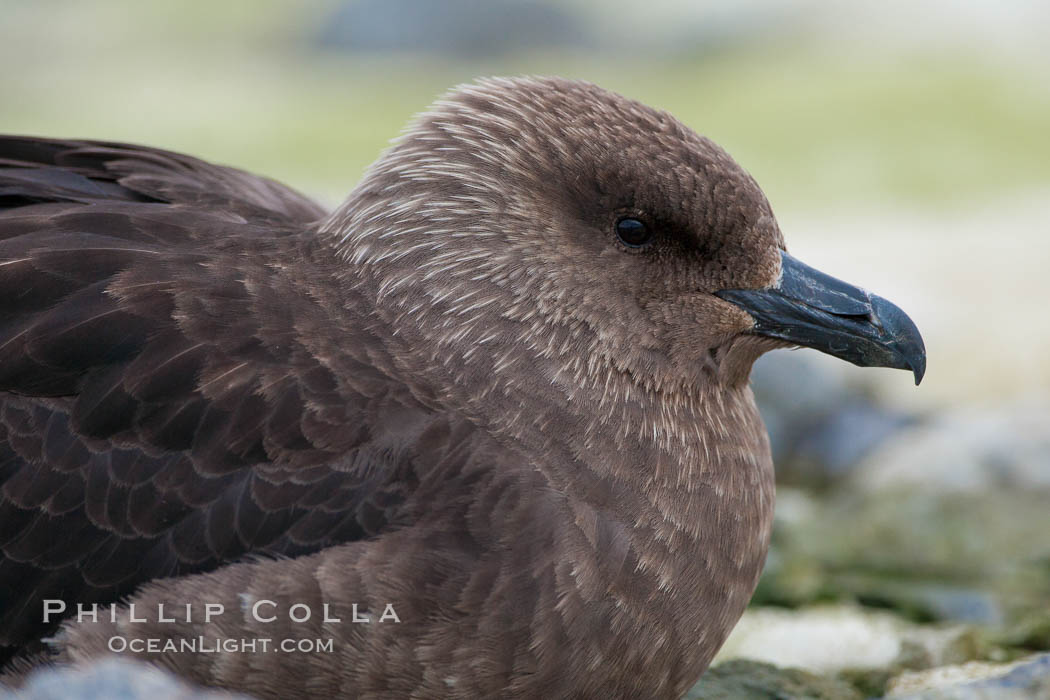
<point x="903" y="148"/>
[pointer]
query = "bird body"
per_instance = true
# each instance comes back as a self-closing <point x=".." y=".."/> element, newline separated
<point x="493" y="449"/>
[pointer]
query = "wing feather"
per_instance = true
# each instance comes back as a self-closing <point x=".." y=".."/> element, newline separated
<point x="169" y="398"/>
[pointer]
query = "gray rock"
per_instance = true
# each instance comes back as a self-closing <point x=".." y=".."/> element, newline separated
<point x="754" y="680"/>
<point x="1028" y="679"/>
<point x="968" y="450"/>
<point x="821" y="423"/>
<point x="855" y="428"/>
<point x="830" y="639"/>
<point x="111" y="679"/>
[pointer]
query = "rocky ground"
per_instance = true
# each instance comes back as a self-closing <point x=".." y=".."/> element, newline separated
<point x="911" y="553"/>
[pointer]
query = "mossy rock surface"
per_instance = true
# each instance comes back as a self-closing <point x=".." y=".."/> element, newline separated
<point x="741" y="679"/>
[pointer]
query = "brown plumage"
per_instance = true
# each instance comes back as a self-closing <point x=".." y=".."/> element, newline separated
<point x="460" y="394"/>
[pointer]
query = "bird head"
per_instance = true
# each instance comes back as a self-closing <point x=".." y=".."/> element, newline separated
<point x="554" y="218"/>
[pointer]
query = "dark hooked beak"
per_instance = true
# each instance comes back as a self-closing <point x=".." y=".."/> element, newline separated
<point x="807" y="307"/>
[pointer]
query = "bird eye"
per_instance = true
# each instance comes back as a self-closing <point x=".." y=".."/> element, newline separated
<point x="632" y="232"/>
